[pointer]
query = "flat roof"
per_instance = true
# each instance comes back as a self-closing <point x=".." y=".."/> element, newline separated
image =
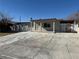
<point x="53" y="20"/>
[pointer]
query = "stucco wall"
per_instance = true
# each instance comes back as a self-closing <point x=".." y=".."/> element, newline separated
<point x="57" y="27"/>
<point x="77" y="28"/>
<point x="36" y="26"/>
<point x="39" y="27"/>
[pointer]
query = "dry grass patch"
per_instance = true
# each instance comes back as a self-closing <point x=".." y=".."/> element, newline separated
<point x="4" y="34"/>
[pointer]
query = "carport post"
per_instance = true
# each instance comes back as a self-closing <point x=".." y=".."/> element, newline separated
<point x="31" y="25"/>
<point x="34" y="26"/>
<point x="41" y="26"/>
<point x="74" y="25"/>
<point x="53" y="27"/>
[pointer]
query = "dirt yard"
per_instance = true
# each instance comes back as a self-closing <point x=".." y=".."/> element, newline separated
<point x="34" y="45"/>
<point x="4" y="34"/>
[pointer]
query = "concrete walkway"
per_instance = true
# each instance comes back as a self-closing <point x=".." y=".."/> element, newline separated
<point x="33" y="45"/>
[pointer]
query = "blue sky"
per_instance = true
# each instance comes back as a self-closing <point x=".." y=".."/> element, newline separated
<point x="38" y="8"/>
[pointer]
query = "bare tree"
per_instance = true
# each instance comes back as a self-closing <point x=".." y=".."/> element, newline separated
<point x="5" y="18"/>
<point x="74" y="16"/>
<point x="5" y="22"/>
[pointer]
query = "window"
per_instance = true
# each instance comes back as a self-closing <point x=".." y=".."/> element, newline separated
<point x="78" y="25"/>
<point x="46" y="25"/>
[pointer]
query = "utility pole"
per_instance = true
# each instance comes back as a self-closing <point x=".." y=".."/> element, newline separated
<point x="20" y="24"/>
<point x="31" y="23"/>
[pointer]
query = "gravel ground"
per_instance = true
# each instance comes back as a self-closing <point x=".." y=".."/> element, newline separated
<point x="34" y="45"/>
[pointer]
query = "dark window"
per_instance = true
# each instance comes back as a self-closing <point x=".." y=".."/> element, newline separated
<point x="78" y="25"/>
<point x="46" y="25"/>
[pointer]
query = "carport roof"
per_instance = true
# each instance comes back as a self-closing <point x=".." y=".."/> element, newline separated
<point x="53" y="20"/>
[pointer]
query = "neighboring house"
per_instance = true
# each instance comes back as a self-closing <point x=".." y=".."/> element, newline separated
<point x="21" y="26"/>
<point x="54" y="25"/>
<point x="15" y="27"/>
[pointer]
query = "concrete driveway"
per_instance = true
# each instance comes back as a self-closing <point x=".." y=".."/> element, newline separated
<point x="34" y="45"/>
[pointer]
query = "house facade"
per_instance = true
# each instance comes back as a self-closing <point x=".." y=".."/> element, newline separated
<point x="20" y="26"/>
<point x="54" y="25"/>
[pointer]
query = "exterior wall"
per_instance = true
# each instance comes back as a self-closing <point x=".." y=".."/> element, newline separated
<point x="57" y="27"/>
<point x="20" y="27"/>
<point x="38" y="26"/>
<point x="77" y="28"/>
<point x="65" y="27"/>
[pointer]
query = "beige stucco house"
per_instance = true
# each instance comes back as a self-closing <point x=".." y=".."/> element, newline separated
<point x="54" y="25"/>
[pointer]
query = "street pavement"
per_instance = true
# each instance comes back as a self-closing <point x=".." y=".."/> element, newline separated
<point x="37" y="45"/>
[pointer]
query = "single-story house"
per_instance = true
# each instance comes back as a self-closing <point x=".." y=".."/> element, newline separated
<point x="55" y="25"/>
<point x="20" y="26"/>
<point x="14" y="27"/>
